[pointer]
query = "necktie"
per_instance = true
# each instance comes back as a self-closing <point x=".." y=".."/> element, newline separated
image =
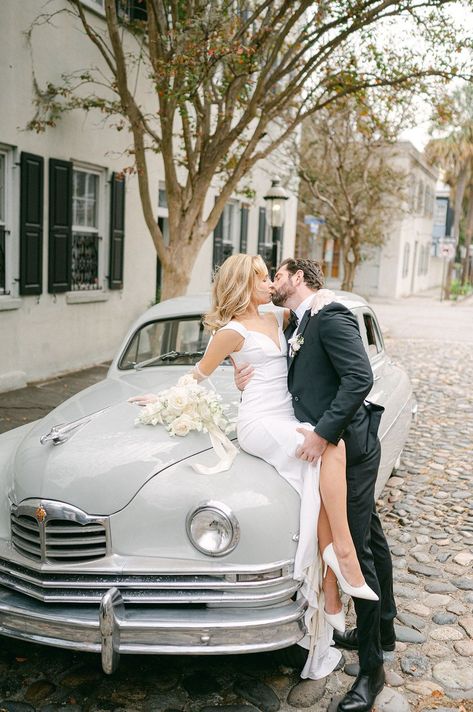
<point x="293" y="320"/>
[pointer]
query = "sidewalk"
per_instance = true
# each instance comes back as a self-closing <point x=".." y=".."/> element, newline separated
<point x="38" y="398"/>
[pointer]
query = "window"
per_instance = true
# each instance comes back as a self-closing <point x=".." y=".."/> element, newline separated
<point x="265" y="239"/>
<point x="231" y="232"/>
<point x="373" y="336"/>
<point x="163" y="223"/>
<point x="3" y="261"/>
<point x="78" y="218"/>
<point x="420" y="265"/>
<point x="187" y="338"/>
<point x="412" y="193"/>
<point x="230" y="229"/>
<point x="425" y="263"/>
<point x="9" y="242"/>
<point x="420" y="197"/>
<point x="85" y="230"/>
<point x="405" y="262"/>
<point x="162" y="197"/>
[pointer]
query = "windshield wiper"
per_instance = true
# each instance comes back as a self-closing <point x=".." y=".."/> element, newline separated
<point x="169" y="356"/>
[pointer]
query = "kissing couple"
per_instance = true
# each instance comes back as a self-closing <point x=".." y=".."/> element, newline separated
<point x="304" y="376"/>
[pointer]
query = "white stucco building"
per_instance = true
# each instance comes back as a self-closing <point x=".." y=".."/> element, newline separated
<point x="404" y="264"/>
<point x="77" y="264"/>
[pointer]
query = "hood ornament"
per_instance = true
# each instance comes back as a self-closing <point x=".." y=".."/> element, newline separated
<point x="61" y="433"/>
<point x="40" y="514"/>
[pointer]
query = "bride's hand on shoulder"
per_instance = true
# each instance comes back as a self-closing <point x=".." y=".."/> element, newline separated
<point x="144" y="399"/>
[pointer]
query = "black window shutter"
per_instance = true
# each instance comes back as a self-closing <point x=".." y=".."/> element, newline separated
<point x="218" y="244"/>
<point x="31" y="223"/>
<point x="244" y="229"/>
<point x="117" y="232"/>
<point x="60" y="226"/>
<point x="261" y="230"/>
<point x="2" y="259"/>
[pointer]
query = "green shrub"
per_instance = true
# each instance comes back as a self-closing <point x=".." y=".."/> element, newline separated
<point x="457" y="289"/>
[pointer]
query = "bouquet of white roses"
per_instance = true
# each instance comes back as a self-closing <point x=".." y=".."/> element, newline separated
<point x="184" y="407"/>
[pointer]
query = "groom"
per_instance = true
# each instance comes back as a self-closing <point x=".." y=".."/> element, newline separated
<point x="329" y="377"/>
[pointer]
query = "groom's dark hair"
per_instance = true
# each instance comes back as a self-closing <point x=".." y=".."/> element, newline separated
<point x="313" y="275"/>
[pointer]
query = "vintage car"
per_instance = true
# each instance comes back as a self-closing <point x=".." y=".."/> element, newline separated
<point x="111" y="543"/>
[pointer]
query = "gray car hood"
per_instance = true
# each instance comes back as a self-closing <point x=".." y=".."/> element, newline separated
<point x="108" y="458"/>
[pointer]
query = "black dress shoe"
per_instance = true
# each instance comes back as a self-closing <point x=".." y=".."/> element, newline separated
<point x="349" y="640"/>
<point x="364" y="692"/>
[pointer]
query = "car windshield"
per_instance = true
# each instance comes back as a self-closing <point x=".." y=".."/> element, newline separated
<point x="180" y="341"/>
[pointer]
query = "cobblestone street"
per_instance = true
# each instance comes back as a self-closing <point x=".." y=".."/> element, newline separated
<point x="427" y="513"/>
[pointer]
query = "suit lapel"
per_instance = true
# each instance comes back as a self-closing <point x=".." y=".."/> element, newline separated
<point x="302" y="328"/>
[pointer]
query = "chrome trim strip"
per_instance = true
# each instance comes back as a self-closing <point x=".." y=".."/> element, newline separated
<point x="401" y="411"/>
<point x="175" y="597"/>
<point x="143" y="582"/>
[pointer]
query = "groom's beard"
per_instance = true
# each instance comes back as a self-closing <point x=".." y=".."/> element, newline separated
<point x="281" y="295"/>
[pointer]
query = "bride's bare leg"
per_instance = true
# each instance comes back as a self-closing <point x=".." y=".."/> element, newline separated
<point x="333" y="603"/>
<point x="333" y="491"/>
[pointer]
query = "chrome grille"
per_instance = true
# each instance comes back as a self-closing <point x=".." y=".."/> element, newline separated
<point x="69" y="541"/>
<point x="54" y="532"/>
<point x="26" y="537"/>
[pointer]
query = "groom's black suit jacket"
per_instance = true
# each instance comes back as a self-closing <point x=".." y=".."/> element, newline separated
<point x="329" y="379"/>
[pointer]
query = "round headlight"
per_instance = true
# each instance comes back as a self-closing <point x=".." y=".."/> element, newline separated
<point x="213" y="528"/>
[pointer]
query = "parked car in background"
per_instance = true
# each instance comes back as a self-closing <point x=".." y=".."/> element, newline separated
<point x="111" y="543"/>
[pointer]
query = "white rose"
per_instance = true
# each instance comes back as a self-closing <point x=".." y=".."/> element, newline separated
<point x="296" y="346"/>
<point x="178" y="399"/>
<point x="181" y="425"/>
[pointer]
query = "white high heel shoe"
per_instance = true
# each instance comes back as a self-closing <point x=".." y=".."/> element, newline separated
<point x="364" y="591"/>
<point x="336" y="620"/>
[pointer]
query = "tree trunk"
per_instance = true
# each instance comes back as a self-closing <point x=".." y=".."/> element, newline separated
<point x="349" y="271"/>
<point x="181" y="259"/>
<point x="468" y="237"/>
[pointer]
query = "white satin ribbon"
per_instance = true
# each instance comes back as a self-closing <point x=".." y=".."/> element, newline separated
<point x="225" y="450"/>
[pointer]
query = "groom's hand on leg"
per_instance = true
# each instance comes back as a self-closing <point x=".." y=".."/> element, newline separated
<point x="312" y="447"/>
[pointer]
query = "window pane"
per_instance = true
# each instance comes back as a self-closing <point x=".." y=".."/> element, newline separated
<point x="91" y="214"/>
<point x="2" y="188"/>
<point x="84" y="199"/>
<point x="162" y="197"/>
<point x="79" y="184"/>
<point x="162" y="337"/>
<point x="78" y="209"/>
<point x="372" y="335"/>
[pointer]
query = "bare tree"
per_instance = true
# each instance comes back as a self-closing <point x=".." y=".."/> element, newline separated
<point x="227" y="81"/>
<point x="349" y="178"/>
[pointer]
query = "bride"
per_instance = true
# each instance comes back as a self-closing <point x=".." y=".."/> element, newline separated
<point x="268" y="428"/>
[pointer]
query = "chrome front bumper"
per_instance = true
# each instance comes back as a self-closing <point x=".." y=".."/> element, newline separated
<point x="114" y="628"/>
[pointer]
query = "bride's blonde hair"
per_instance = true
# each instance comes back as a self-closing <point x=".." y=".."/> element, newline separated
<point x="232" y="289"/>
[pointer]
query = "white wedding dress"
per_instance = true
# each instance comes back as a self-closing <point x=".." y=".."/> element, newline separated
<point x="267" y="428"/>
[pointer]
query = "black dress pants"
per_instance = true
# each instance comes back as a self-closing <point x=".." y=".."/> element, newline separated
<point x="374" y="619"/>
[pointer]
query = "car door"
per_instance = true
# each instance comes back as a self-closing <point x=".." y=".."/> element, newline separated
<point x="391" y="389"/>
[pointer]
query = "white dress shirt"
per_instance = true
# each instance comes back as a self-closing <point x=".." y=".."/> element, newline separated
<point x="302" y="308"/>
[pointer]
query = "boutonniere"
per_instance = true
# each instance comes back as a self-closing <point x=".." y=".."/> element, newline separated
<point x="295" y="344"/>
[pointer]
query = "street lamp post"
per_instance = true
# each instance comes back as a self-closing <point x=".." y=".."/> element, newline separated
<point x="275" y="215"/>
